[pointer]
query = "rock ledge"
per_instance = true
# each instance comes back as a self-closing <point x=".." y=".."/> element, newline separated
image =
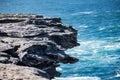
<point x="28" y="40"/>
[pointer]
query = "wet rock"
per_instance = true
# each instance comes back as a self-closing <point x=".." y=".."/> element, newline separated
<point x="36" y="41"/>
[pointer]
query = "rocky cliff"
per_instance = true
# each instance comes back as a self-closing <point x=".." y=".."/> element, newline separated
<point x="30" y="41"/>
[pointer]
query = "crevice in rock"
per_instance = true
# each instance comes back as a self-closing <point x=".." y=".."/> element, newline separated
<point x="12" y="51"/>
<point x="10" y="21"/>
<point x="3" y="34"/>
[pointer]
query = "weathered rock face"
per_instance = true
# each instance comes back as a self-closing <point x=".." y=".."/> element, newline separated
<point x="13" y="72"/>
<point x="36" y="41"/>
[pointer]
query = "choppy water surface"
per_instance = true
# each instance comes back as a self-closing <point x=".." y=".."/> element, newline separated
<point x="98" y="25"/>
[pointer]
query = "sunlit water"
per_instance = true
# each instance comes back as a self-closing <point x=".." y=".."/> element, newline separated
<point x="98" y="25"/>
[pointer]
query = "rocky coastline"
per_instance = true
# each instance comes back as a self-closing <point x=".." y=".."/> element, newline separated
<point x="32" y="46"/>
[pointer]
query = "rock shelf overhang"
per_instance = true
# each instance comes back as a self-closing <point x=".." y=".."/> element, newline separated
<point x="35" y="41"/>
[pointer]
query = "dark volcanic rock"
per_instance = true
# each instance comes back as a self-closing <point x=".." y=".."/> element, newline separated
<point x="35" y="41"/>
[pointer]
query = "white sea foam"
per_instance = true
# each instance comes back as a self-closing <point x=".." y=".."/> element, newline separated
<point x="102" y="28"/>
<point x="93" y="50"/>
<point x="94" y="46"/>
<point x="83" y="26"/>
<point x="118" y="74"/>
<point x="78" y="78"/>
<point x="85" y="12"/>
<point x="88" y="46"/>
<point x="112" y="46"/>
<point x="59" y="69"/>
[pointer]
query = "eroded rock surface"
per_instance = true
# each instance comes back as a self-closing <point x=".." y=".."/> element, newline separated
<point x="36" y="41"/>
<point x="13" y="72"/>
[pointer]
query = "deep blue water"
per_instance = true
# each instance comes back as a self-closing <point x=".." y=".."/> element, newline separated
<point x="98" y="25"/>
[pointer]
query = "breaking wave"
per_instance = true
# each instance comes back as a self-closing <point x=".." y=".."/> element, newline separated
<point x="79" y="78"/>
<point x="86" y="12"/>
<point x="94" y="46"/>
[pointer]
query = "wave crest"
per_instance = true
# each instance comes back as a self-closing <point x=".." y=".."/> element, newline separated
<point x="79" y="78"/>
<point x="85" y="12"/>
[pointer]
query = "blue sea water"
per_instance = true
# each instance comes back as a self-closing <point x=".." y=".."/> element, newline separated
<point x="98" y="25"/>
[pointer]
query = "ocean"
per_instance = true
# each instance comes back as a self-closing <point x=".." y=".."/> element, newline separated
<point x="98" y="25"/>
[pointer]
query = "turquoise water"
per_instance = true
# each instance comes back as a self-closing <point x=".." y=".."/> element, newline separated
<point x="98" y="25"/>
